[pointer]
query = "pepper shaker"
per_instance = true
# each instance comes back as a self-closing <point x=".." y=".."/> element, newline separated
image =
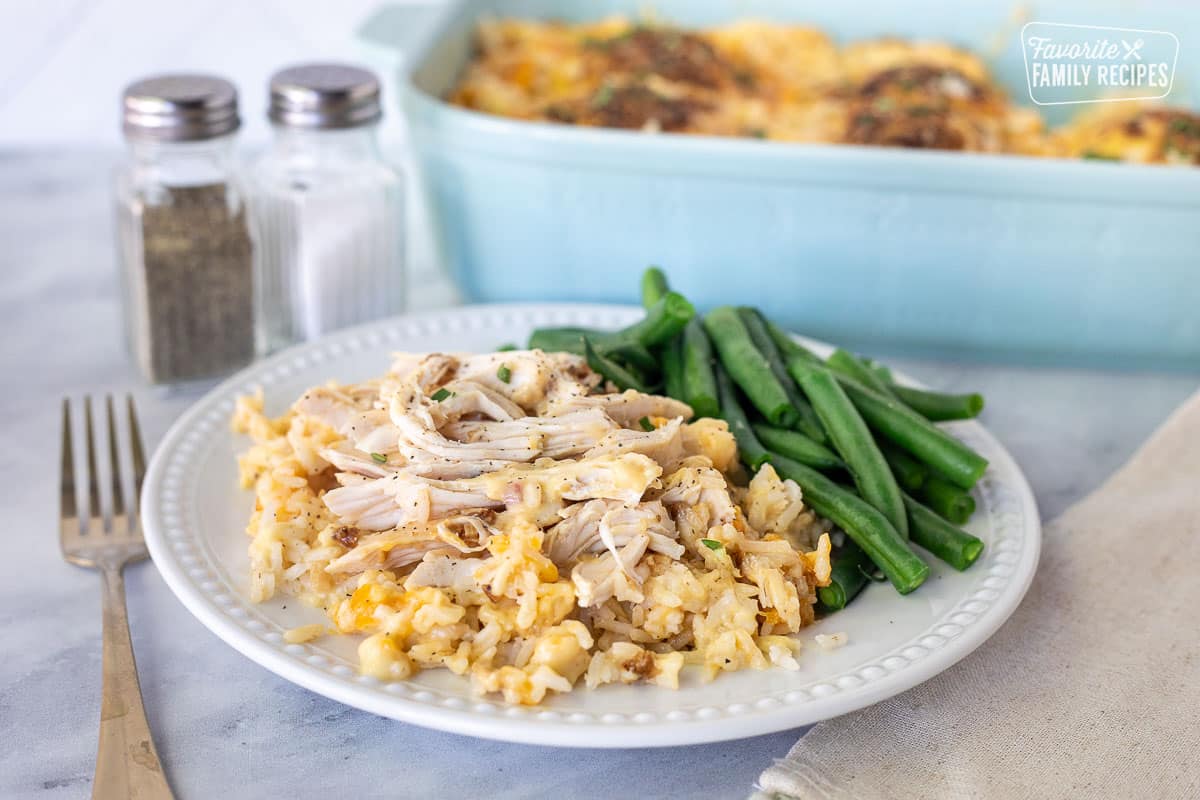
<point x="329" y="208"/>
<point x="185" y="245"/>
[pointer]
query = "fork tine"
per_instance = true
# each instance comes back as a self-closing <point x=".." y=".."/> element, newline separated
<point x="94" y="510"/>
<point x="67" y="504"/>
<point x="139" y="455"/>
<point x="118" y="494"/>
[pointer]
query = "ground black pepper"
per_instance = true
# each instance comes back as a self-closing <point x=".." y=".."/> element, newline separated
<point x="193" y="291"/>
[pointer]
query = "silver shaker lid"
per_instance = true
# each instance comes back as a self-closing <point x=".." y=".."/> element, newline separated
<point x="324" y="96"/>
<point x="180" y="108"/>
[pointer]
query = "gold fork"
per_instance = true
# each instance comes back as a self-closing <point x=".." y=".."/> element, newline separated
<point x="127" y="764"/>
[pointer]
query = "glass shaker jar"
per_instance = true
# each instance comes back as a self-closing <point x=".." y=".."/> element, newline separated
<point x="184" y="240"/>
<point x="329" y="209"/>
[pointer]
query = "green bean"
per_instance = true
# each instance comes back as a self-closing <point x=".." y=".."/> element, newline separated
<point x="622" y="377"/>
<point x="672" y="364"/>
<point x="947" y="500"/>
<point x="654" y="286"/>
<point x="562" y="340"/>
<point x="789" y="348"/>
<point x="910" y="473"/>
<point x="748" y="367"/>
<point x="698" y="384"/>
<point x="880" y="371"/>
<point x="847" y="577"/>
<point x="751" y="451"/>
<point x="897" y="422"/>
<point x="934" y="406"/>
<point x="756" y="325"/>
<point x="939" y="407"/>
<point x="663" y="321"/>
<point x="846" y="363"/>
<point x="953" y="545"/>
<point x="633" y="355"/>
<point x="570" y="340"/>
<point x="794" y="444"/>
<point x="853" y="441"/>
<point x="861" y="521"/>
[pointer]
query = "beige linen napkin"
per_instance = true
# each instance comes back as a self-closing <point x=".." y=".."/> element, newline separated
<point x="1090" y="690"/>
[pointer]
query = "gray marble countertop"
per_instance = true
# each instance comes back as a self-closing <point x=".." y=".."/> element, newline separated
<point x="226" y="727"/>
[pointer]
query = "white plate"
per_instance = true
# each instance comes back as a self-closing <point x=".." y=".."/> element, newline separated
<point x="195" y="515"/>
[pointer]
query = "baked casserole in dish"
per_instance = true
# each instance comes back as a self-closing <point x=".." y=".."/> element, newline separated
<point x="787" y="83"/>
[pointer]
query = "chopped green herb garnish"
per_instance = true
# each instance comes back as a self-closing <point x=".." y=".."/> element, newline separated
<point x="442" y="394"/>
<point x="504" y="373"/>
<point x="646" y="424"/>
<point x="1094" y="155"/>
<point x="379" y="458"/>
<point x="711" y="544"/>
<point x="603" y="96"/>
<point x="920" y="111"/>
<point x="1181" y="125"/>
<point x="757" y="133"/>
<point x="506" y="348"/>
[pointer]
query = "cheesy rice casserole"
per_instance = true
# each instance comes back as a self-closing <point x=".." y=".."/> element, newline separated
<point x="511" y="519"/>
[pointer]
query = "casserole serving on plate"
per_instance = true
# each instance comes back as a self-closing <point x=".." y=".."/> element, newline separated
<point x="921" y="250"/>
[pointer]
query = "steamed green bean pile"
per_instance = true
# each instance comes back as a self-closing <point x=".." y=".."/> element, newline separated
<point x="865" y="451"/>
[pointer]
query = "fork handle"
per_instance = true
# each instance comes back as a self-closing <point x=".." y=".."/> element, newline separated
<point x="127" y="764"/>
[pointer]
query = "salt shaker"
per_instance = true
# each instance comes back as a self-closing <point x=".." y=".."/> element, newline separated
<point x="184" y="238"/>
<point x="329" y="209"/>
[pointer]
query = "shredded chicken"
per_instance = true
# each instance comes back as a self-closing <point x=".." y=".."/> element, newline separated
<point x="606" y="524"/>
<point x="447" y="572"/>
<point x="629" y="407"/>
<point x="611" y="574"/>
<point x="401" y="546"/>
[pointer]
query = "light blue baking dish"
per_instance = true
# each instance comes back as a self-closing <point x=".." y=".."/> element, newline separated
<point x="892" y="249"/>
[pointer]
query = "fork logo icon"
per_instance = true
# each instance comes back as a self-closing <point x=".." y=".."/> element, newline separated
<point x="1132" y="49"/>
